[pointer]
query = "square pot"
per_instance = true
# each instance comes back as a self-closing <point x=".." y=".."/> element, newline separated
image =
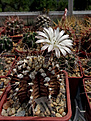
<point x="72" y="66"/>
<point x="15" y="118"/>
<point x="74" y="82"/>
<point x="86" y="98"/>
<point x="86" y="70"/>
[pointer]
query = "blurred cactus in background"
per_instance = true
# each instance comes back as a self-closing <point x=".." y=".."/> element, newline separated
<point x="14" y="25"/>
<point x="42" y="21"/>
<point x="5" y="43"/>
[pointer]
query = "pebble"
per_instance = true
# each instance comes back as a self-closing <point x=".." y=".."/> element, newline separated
<point x="62" y="103"/>
<point x="8" y="110"/>
<point x="20" y="109"/>
<point x="57" y="100"/>
<point x="6" y="81"/>
<point x="17" y="107"/>
<point x="61" y="110"/>
<point x="26" y="114"/>
<point x="37" y="112"/>
<point x="13" y="110"/>
<point x="59" y="95"/>
<point x="8" y="62"/>
<point x="37" y="108"/>
<point x="64" y="113"/>
<point x="69" y="74"/>
<point x="4" y="113"/>
<point x="57" y="108"/>
<point x="1" y="85"/>
<point x="20" y="113"/>
<point x="53" y="112"/>
<point x="6" y="105"/>
<point x="73" y="75"/>
<point x="58" y="115"/>
<point x="41" y="115"/>
<point x="11" y="101"/>
<point x="54" y="103"/>
<point x="78" y="74"/>
<point x="2" y="79"/>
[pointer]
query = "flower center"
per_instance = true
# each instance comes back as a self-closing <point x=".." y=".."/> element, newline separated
<point x="54" y="42"/>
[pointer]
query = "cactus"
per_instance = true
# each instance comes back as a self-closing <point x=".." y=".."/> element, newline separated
<point x="5" y="43"/>
<point x="70" y="63"/>
<point x="14" y="25"/>
<point x="89" y="63"/>
<point x="29" y="39"/>
<point x="42" y="21"/>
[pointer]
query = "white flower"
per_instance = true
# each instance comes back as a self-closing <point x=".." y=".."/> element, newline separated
<point x="54" y="40"/>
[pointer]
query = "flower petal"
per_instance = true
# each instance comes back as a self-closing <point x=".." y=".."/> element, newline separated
<point x="39" y="37"/>
<point x="42" y="34"/>
<point x="63" y="37"/>
<point x="60" y="34"/>
<point x="62" y="50"/>
<point x="56" y="32"/>
<point x="50" y="32"/>
<point x="50" y="48"/>
<point x="46" y="31"/>
<point x="57" y="52"/>
<point x="43" y="41"/>
<point x="44" y="47"/>
<point x="67" y="49"/>
<point x="66" y="42"/>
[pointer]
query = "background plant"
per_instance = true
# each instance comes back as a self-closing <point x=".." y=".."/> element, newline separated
<point x="79" y="30"/>
<point x="29" y="40"/>
<point x="14" y="25"/>
<point x="86" y="5"/>
<point x="41" y="22"/>
<point x="70" y="63"/>
<point x="32" y="5"/>
<point x="5" y="43"/>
